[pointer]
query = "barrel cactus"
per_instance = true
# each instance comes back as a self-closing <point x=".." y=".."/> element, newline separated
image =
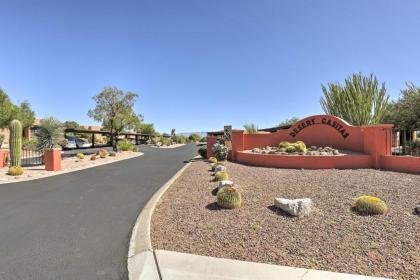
<point x="103" y="153"/>
<point x="370" y="205"/>
<point x="221" y="175"/>
<point x="15" y="171"/>
<point x="229" y="198"/>
<point x="80" y="155"/>
<point x="112" y="154"/>
<point x="212" y="160"/>
<point x="93" y="157"/>
<point x="15" y="142"/>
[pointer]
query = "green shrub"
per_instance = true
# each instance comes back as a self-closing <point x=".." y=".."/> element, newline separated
<point x="212" y="160"/>
<point x="15" y="171"/>
<point x="229" y="198"/>
<point x="80" y="155"/>
<point x="125" y="145"/>
<point x="30" y="144"/>
<point x="370" y="205"/>
<point x="221" y="175"/>
<point x="220" y="151"/>
<point x="203" y="151"/>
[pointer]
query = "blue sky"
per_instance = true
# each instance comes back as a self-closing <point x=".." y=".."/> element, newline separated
<point x="198" y="65"/>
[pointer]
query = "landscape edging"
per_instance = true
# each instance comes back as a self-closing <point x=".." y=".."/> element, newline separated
<point x="60" y="172"/>
<point x="140" y="241"/>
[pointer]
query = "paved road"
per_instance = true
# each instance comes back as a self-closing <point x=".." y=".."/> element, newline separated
<point x="78" y="225"/>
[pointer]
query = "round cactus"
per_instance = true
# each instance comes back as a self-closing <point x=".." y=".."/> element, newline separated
<point x="93" y="157"/>
<point x="290" y="149"/>
<point x="15" y="142"/>
<point x="80" y="155"/>
<point x="212" y="160"/>
<point x="221" y="175"/>
<point x="229" y="198"/>
<point x="284" y="144"/>
<point x="103" y="153"/>
<point x="112" y="154"/>
<point x="15" y="171"/>
<point x="370" y="205"/>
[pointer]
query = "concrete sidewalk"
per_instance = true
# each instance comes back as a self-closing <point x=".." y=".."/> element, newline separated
<point x="168" y="265"/>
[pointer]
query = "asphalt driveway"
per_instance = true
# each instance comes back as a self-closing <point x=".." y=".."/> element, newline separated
<point x="78" y="225"/>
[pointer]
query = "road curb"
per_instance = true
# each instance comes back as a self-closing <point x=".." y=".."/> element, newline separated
<point x="140" y="241"/>
<point x="61" y="172"/>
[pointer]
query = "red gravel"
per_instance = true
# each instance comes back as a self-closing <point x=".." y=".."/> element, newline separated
<point x="331" y="238"/>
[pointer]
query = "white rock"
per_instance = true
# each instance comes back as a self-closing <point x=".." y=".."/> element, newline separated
<point x="220" y="168"/>
<point x="295" y="207"/>
<point x="225" y="183"/>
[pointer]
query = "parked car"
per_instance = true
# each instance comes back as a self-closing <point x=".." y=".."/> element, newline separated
<point x="82" y="143"/>
<point x="71" y="143"/>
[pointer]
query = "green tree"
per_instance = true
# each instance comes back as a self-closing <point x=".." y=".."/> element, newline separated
<point x="359" y="101"/>
<point x="114" y="109"/>
<point x="71" y="124"/>
<point x="146" y="128"/>
<point x="10" y="111"/>
<point x="405" y="112"/>
<point x="194" y="137"/>
<point x="287" y="122"/>
<point x="251" y="128"/>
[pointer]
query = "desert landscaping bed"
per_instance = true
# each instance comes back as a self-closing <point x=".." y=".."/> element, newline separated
<point x="68" y="164"/>
<point x="332" y="237"/>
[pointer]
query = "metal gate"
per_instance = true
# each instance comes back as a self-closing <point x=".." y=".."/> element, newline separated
<point x="30" y="157"/>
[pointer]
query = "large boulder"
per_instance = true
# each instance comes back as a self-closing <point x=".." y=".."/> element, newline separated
<point x="295" y="207"/>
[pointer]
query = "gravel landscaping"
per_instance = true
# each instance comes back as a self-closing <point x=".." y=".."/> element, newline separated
<point x="332" y="237"/>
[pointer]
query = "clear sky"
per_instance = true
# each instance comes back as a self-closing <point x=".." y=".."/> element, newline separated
<point x="200" y="64"/>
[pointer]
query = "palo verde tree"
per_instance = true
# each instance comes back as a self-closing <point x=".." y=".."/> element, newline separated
<point x="359" y="101"/>
<point x="287" y="122"/>
<point x="114" y="109"/>
<point x="10" y="111"/>
<point x="405" y="112"/>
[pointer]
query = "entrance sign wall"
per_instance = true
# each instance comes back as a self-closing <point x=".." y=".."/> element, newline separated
<point x="371" y="144"/>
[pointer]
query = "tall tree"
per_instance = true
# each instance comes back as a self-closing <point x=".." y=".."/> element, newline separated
<point x="360" y="101"/>
<point x="146" y="128"/>
<point x="71" y="124"/>
<point x="290" y="121"/>
<point x="10" y="111"/>
<point x="405" y="112"/>
<point x="114" y="109"/>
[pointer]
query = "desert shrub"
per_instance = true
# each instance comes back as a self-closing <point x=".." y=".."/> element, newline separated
<point x="212" y="160"/>
<point x="203" y="151"/>
<point x="112" y="154"/>
<point x="50" y="134"/>
<point x="220" y="151"/>
<point x="370" y="205"/>
<point x="221" y="175"/>
<point x="80" y="155"/>
<point x="125" y="145"/>
<point x="30" y="144"/>
<point x="194" y="137"/>
<point x="181" y="139"/>
<point x="93" y="157"/>
<point x="251" y="128"/>
<point x="15" y="171"/>
<point x="229" y="198"/>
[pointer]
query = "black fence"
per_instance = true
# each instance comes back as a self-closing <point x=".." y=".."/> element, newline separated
<point x="30" y="157"/>
<point x="406" y="142"/>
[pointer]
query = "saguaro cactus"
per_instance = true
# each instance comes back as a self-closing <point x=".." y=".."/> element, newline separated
<point x="15" y="142"/>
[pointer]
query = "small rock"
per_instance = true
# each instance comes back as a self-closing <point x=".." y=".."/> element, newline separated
<point x="295" y="207"/>
<point x="314" y="148"/>
<point x="323" y="153"/>
<point x="417" y="210"/>
<point x="219" y="168"/>
<point x="225" y="183"/>
<point x="271" y="152"/>
<point x="336" y="152"/>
